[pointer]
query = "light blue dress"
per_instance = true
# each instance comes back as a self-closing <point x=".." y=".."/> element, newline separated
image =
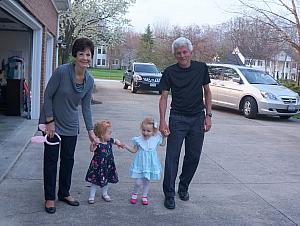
<point x="146" y="163"/>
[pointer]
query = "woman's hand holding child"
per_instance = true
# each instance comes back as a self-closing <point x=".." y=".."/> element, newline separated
<point x="93" y="145"/>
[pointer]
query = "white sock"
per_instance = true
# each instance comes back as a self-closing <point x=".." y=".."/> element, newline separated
<point x="93" y="191"/>
<point x="134" y="196"/>
<point x="146" y="184"/>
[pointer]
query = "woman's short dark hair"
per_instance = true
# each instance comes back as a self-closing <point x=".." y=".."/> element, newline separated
<point x="81" y="44"/>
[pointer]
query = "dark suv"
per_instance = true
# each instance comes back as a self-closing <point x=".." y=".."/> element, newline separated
<point x="142" y="76"/>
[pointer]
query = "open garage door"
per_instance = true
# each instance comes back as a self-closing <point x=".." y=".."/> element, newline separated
<point x="15" y="58"/>
<point x="20" y="58"/>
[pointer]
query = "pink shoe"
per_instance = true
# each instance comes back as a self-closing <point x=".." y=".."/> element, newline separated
<point x="133" y="199"/>
<point x="145" y="200"/>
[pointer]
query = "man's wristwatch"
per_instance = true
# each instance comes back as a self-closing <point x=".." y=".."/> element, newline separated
<point x="209" y="114"/>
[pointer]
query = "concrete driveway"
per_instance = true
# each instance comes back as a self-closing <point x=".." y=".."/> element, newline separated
<point x="249" y="173"/>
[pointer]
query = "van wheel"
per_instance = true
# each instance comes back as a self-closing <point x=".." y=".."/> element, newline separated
<point x="250" y="107"/>
<point x="133" y="89"/>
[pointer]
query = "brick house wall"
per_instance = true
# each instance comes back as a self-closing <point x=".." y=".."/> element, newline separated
<point x="45" y="12"/>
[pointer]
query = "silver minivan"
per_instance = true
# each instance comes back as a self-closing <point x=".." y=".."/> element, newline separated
<point x="251" y="91"/>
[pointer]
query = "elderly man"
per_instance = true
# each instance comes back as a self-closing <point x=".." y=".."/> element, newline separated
<point x="189" y="117"/>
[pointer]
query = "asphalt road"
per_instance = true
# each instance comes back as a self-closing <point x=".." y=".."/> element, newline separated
<point x="249" y="173"/>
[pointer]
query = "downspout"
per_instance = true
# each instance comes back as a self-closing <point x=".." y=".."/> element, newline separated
<point x="57" y="36"/>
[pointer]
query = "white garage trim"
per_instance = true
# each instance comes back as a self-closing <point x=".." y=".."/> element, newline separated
<point x="12" y="7"/>
<point x="49" y="57"/>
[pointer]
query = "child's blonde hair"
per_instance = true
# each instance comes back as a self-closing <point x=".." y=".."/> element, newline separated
<point x="150" y="121"/>
<point x="101" y="127"/>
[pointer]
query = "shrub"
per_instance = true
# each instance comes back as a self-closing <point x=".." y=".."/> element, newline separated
<point x="291" y="85"/>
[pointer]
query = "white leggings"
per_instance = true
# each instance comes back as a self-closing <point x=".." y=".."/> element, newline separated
<point x="94" y="188"/>
<point x="139" y="182"/>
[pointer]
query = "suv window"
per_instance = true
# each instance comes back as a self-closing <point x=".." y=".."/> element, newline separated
<point x="146" y="68"/>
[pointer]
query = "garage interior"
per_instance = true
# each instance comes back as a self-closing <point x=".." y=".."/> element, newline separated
<point x="15" y="73"/>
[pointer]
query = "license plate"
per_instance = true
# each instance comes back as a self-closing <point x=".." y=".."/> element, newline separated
<point x="152" y="84"/>
<point x="291" y="108"/>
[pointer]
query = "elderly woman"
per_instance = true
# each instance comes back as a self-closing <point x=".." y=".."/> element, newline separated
<point x="69" y="85"/>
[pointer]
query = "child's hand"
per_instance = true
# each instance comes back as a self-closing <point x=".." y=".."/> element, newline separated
<point x="165" y="133"/>
<point x="119" y="144"/>
<point x="122" y="145"/>
<point x="125" y="146"/>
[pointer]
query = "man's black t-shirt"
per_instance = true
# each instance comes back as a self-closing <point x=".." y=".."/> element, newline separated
<point x="186" y="85"/>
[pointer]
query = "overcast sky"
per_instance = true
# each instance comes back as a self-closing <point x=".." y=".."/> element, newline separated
<point x="179" y="12"/>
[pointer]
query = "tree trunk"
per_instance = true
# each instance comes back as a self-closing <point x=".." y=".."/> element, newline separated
<point x="298" y="69"/>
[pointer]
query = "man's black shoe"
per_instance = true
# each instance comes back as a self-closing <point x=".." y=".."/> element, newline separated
<point x="169" y="203"/>
<point x="184" y="195"/>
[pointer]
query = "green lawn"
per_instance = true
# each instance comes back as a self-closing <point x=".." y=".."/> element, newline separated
<point x="297" y="116"/>
<point x="107" y="74"/>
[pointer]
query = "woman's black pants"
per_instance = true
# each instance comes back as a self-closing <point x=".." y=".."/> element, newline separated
<point x="51" y="153"/>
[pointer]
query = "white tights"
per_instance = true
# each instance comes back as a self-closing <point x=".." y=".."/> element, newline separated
<point x="139" y="182"/>
<point x="94" y="188"/>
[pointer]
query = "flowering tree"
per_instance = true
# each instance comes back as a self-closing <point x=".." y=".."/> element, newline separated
<point x="100" y="20"/>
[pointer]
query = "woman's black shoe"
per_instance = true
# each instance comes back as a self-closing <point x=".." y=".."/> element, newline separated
<point x="50" y="210"/>
<point x="71" y="203"/>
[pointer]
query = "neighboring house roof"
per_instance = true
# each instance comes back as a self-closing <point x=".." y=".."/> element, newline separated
<point x="62" y="4"/>
<point x="283" y="55"/>
<point x="246" y="51"/>
<point x="232" y="59"/>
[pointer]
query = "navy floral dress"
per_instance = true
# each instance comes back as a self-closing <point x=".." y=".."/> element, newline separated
<point x="102" y="168"/>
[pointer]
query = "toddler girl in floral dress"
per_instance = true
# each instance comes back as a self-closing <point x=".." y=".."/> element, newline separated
<point x="102" y="168"/>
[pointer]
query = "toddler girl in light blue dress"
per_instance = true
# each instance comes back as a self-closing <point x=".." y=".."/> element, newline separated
<point x="145" y="165"/>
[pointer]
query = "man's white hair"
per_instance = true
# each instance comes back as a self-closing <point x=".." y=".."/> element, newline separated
<point x="182" y="41"/>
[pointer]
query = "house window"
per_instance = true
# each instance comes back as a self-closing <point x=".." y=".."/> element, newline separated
<point x="103" y="50"/>
<point x="99" y="50"/>
<point x="294" y="65"/>
<point x="287" y="64"/>
<point x="116" y="62"/>
<point x="267" y="63"/>
<point x="247" y="62"/>
<point x="259" y="63"/>
<point x="253" y="62"/>
<point x="99" y="62"/>
<point x="103" y="62"/>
